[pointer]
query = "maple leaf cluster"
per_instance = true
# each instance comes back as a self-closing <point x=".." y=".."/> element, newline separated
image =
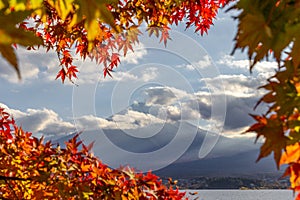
<point x="31" y="168"/>
<point x="271" y="29"/>
<point x="100" y="30"/>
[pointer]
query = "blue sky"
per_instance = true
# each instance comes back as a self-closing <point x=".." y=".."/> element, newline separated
<point x="193" y="79"/>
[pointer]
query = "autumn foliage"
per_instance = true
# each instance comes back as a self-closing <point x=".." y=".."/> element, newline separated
<point x="105" y="30"/>
<point x="99" y="30"/>
<point x="33" y="169"/>
<point x="270" y="29"/>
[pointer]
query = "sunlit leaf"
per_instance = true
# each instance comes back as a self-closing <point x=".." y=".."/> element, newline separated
<point x="291" y="154"/>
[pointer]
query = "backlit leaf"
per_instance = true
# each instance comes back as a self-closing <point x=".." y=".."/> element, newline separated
<point x="291" y="154"/>
<point x="9" y="54"/>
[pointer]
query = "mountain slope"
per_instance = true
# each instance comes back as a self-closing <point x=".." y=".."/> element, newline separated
<point x="229" y="157"/>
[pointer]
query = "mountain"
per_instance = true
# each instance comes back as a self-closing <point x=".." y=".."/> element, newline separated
<point x="229" y="157"/>
<point x="241" y="164"/>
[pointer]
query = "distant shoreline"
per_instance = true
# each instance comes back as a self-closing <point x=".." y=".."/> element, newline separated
<point x="231" y="183"/>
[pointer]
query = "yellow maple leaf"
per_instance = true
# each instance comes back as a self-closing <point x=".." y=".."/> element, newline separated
<point x="291" y="154"/>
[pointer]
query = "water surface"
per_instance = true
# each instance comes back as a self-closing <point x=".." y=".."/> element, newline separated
<point x="242" y="194"/>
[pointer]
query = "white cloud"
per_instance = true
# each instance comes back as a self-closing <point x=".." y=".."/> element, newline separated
<point x="240" y="94"/>
<point x="149" y="74"/>
<point x="135" y="119"/>
<point x="185" y="111"/>
<point x="173" y="112"/>
<point x="159" y="95"/>
<point x="264" y="68"/>
<point x="90" y="122"/>
<point x="47" y="122"/>
<point x="41" y="121"/>
<point x="206" y="62"/>
<point x="129" y="120"/>
<point x="134" y="57"/>
<point x="172" y="104"/>
<point x="239" y="133"/>
<point x="165" y="95"/>
<point x="235" y="85"/>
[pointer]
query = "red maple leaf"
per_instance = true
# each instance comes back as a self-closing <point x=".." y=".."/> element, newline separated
<point x="72" y="72"/>
<point x="61" y="74"/>
<point x="115" y="59"/>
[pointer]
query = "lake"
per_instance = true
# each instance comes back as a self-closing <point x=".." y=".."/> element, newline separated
<point x="242" y="194"/>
